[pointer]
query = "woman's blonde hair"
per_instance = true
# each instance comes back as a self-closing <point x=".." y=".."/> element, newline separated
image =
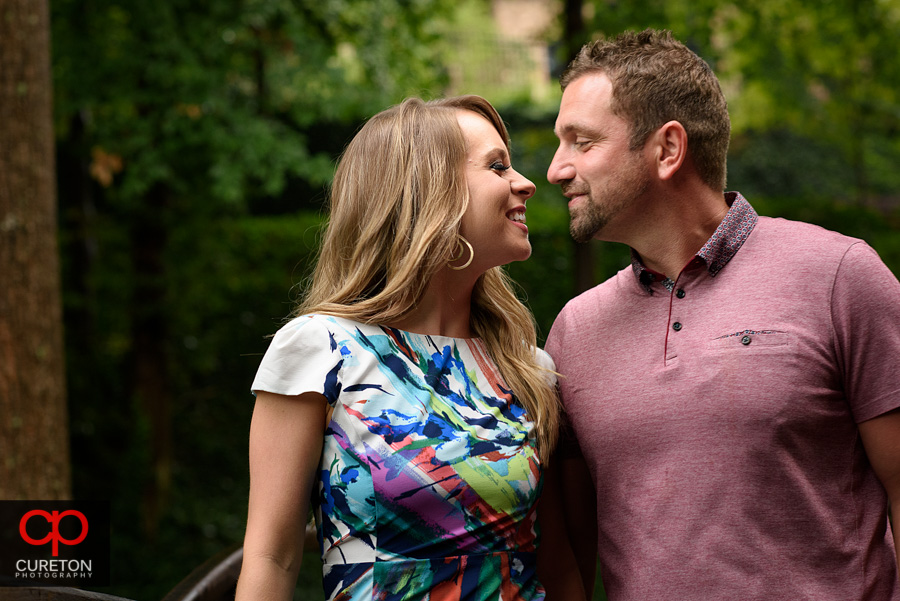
<point x="397" y="199"/>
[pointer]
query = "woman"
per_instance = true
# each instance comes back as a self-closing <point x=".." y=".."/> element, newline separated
<point x="388" y="398"/>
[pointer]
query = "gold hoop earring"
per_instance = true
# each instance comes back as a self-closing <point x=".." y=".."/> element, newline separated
<point x="459" y="245"/>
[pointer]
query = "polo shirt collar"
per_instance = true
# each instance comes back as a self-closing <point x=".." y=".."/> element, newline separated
<point x="718" y="250"/>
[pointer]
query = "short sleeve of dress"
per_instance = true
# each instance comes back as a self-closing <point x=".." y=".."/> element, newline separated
<point x="302" y="357"/>
<point x="545" y="361"/>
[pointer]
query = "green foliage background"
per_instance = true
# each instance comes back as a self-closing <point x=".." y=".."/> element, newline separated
<point x="206" y="133"/>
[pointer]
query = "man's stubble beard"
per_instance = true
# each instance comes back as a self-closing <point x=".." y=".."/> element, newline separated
<point x="588" y="220"/>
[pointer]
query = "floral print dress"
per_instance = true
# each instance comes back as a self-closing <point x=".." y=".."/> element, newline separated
<point x="429" y="478"/>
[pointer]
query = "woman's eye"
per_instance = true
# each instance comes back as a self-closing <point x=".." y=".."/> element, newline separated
<point x="499" y="166"/>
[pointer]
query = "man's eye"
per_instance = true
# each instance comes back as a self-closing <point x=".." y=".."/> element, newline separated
<point x="499" y="166"/>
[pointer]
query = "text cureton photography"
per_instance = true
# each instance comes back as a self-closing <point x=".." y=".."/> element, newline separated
<point x="54" y="568"/>
<point x="54" y="543"/>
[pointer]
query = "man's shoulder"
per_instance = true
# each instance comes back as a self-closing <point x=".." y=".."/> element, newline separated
<point x="595" y="308"/>
<point x="604" y="292"/>
<point x="803" y="233"/>
<point x="797" y="243"/>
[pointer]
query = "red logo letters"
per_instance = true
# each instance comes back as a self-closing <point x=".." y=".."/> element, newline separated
<point x="54" y="536"/>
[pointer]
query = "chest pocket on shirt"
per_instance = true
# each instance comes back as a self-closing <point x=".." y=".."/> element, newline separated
<point x="751" y="341"/>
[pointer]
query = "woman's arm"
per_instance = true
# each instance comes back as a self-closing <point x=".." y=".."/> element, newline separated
<point x="286" y="435"/>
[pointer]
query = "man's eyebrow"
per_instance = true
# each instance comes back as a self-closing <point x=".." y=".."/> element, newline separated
<point x="576" y="127"/>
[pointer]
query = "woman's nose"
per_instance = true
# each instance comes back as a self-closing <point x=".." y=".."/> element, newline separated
<point x="522" y="186"/>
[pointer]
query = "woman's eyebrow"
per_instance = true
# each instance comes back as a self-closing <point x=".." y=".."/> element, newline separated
<point x="497" y="151"/>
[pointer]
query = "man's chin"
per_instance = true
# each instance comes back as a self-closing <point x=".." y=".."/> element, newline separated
<point x="581" y="234"/>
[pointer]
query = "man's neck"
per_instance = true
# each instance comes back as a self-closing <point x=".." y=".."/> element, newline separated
<point x="677" y="228"/>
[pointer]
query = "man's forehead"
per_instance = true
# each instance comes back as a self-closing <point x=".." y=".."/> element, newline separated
<point x="594" y="83"/>
<point x="584" y="101"/>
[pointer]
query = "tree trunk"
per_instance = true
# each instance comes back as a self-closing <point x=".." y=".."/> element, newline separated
<point x="574" y="37"/>
<point x="150" y="374"/>
<point x="34" y="440"/>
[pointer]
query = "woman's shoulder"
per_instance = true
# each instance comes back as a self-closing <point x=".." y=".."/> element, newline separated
<point x="300" y="329"/>
<point x="545" y="361"/>
<point x="328" y="334"/>
<point x="302" y="356"/>
<point x="313" y="322"/>
<point x="317" y="337"/>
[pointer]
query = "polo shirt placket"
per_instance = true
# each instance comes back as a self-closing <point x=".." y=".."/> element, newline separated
<point x="728" y="238"/>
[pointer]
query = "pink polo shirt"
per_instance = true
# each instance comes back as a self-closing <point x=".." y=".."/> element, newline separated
<point x="718" y="417"/>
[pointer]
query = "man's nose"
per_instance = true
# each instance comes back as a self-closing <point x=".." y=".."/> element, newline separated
<point x="561" y="168"/>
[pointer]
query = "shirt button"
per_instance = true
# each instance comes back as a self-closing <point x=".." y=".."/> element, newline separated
<point x="676" y="326"/>
<point x="679" y="293"/>
<point x="746" y="340"/>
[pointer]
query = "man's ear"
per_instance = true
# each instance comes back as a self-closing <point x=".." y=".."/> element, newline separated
<point x="670" y="143"/>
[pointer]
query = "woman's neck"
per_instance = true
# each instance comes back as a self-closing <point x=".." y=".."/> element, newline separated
<point x="445" y="308"/>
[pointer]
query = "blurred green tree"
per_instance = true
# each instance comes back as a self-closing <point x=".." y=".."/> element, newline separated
<point x="825" y="72"/>
<point x="195" y="143"/>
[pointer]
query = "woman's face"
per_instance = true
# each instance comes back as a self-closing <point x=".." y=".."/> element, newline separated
<point x="494" y="222"/>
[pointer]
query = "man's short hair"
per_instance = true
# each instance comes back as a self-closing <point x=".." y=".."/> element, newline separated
<point x="657" y="79"/>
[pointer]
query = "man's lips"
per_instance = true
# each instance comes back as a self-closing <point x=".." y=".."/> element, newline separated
<point x="571" y="192"/>
<point x="573" y="196"/>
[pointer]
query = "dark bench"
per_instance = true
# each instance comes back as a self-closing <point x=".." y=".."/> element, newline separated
<point x="214" y="580"/>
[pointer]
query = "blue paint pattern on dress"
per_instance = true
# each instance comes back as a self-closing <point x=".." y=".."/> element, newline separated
<point x="429" y="478"/>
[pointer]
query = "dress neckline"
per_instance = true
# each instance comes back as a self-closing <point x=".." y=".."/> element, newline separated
<point x="404" y="333"/>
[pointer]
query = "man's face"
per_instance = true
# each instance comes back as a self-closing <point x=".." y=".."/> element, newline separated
<point x="604" y="180"/>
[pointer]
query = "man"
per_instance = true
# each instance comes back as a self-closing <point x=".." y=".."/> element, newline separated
<point x="735" y="391"/>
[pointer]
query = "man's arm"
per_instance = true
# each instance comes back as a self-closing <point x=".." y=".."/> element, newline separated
<point x="581" y="517"/>
<point x="558" y="567"/>
<point x="881" y="439"/>
<point x="567" y="557"/>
